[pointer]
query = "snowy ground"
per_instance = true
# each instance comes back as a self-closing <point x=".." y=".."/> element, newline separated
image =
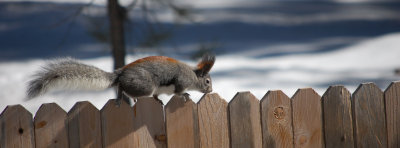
<point x="253" y="64"/>
<point x="366" y="61"/>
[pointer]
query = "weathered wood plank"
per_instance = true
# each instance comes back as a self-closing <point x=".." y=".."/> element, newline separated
<point x="276" y="118"/>
<point x="149" y="124"/>
<point x="337" y="115"/>
<point x="84" y="126"/>
<point x="16" y="128"/>
<point x="51" y="128"/>
<point x="244" y="115"/>
<point x="307" y="119"/>
<point x="213" y="121"/>
<point x="181" y="123"/>
<point x="392" y="100"/>
<point x="117" y="125"/>
<point x="369" y="116"/>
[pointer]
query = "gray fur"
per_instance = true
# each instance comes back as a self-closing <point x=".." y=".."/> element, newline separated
<point x="145" y="78"/>
<point x="68" y="73"/>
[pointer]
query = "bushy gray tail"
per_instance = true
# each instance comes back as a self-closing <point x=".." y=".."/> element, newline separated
<point x="69" y="74"/>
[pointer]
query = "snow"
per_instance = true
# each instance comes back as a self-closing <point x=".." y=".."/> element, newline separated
<point x="363" y="62"/>
<point x="303" y="56"/>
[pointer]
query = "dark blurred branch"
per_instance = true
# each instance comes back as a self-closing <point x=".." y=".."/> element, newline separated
<point x="72" y="17"/>
<point x="71" y="20"/>
<point x="131" y="5"/>
<point x="155" y="33"/>
<point x="117" y="16"/>
<point x="397" y="71"/>
<point x="181" y="12"/>
<point x="97" y="29"/>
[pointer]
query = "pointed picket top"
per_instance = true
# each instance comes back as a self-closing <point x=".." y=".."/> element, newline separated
<point x="276" y="117"/>
<point x="369" y="116"/>
<point x="177" y="102"/>
<point x="213" y="121"/>
<point x="245" y="96"/>
<point x="82" y="105"/>
<point x="244" y="111"/>
<point x="16" y="127"/>
<point x="308" y="93"/>
<point x="338" y="123"/>
<point x="117" y="124"/>
<point x="392" y="100"/>
<point x="213" y="97"/>
<point x="84" y="125"/>
<point x="149" y="123"/>
<point x="112" y="105"/>
<point x="15" y="110"/>
<point x="45" y="107"/>
<point x="51" y="126"/>
<point x="367" y="88"/>
<point x="181" y="123"/>
<point x="307" y="118"/>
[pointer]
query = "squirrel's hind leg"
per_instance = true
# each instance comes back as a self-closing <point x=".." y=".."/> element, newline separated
<point x="121" y="96"/>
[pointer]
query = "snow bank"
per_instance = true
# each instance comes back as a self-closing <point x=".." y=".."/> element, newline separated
<point x="371" y="60"/>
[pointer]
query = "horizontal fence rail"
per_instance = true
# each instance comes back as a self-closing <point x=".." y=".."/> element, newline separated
<point x="366" y="118"/>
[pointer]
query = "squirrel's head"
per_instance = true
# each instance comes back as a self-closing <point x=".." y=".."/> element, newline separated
<point x="202" y="72"/>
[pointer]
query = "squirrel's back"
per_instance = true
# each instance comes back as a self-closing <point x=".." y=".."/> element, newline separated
<point x="162" y="69"/>
<point x="153" y="73"/>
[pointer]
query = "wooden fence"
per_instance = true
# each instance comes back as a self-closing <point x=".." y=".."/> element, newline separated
<point x="367" y="118"/>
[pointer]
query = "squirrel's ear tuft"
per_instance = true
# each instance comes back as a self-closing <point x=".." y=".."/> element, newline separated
<point x="205" y="65"/>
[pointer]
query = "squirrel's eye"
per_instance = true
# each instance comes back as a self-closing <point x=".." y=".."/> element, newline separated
<point x="208" y="81"/>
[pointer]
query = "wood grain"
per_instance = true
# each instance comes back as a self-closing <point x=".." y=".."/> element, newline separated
<point x="181" y="123"/>
<point x="16" y="128"/>
<point x="213" y="121"/>
<point x="51" y="128"/>
<point x="276" y="117"/>
<point x="117" y="125"/>
<point x="244" y="115"/>
<point x="149" y="124"/>
<point x="337" y="115"/>
<point x="369" y="116"/>
<point x="392" y="100"/>
<point x="84" y="126"/>
<point x="307" y="119"/>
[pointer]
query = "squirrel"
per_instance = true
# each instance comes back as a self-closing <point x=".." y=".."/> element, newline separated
<point x="149" y="76"/>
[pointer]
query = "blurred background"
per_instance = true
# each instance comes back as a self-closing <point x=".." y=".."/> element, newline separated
<point x="260" y="45"/>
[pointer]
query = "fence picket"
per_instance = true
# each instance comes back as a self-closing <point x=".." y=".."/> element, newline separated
<point x="117" y="125"/>
<point x="181" y="123"/>
<point x="392" y="99"/>
<point x="369" y="116"/>
<point x="276" y="115"/>
<point x="149" y="123"/>
<point x="338" y="124"/>
<point x="244" y="112"/>
<point x="213" y="121"/>
<point x="16" y="128"/>
<point x="51" y="126"/>
<point x="307" y="119"/>
<point x="84" y="126"/>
